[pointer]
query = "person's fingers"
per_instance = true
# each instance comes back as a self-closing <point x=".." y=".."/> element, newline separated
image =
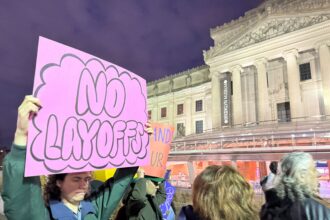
<point x="32" y="99"/>
<point x="27" y="110"/>
<point x="140" y="173"/>
<point x="28" y="107"/>
<point x="148" y="128"/>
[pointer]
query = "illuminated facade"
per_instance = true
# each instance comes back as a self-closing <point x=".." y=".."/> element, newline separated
<point x="268" y="71"/>
<point x="277" y="61"/>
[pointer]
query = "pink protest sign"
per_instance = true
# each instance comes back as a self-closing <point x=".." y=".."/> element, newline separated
<point x="92" y="117"/>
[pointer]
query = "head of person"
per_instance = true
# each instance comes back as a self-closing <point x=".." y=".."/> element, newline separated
<point x="152" y="184"/>
<point x="273" y="167"/>
<point x="221" y="192"/>
<point x="69" y="187"/>
<point x="151" y="188"/>
<point x="298" y="177"/>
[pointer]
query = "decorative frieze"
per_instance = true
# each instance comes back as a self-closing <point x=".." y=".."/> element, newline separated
<point x="272" y="28"/>
<point x="226" y="36"/>
<point x="297" y="6"/>
<point x="277" y="27"/>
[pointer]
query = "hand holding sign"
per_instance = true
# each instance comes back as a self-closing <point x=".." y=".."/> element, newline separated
<point x="93" y="114"/>
<point x="30" y="106"/>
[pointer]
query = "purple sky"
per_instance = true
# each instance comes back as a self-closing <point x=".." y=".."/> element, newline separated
<point x="152" y="38"/>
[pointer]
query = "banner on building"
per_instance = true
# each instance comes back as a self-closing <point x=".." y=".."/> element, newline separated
<point x="225" y="87"/>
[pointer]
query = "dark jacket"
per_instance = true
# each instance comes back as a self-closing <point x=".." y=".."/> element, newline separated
<point x="187" y="213"/>
<point x="286" y="209"/>
<point x="23" y="199"/>
<point x="140" y="206"/>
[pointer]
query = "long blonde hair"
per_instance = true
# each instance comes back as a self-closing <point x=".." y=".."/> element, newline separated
<point x="221" y="192"/>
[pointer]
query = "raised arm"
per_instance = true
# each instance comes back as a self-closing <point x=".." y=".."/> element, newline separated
<point x="22" y="196"/>
<point x="107" y="198"/>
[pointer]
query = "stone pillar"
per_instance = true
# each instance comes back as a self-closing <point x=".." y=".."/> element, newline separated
<point x="155" y="109"/>
<point x="237" y="96"/>
<point x="264" y="111"/>
<point x="216" y="110"/>
<point x="188" y="115"/>
<point x="296" y="105"/>
<point x="324" y="55"/>
<point x="154" y="113"/>
<point x="171" y="113"/>
<point x="153" y="102"/>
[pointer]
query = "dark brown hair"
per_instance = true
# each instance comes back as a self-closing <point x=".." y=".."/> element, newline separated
<point x="51" y="190"/>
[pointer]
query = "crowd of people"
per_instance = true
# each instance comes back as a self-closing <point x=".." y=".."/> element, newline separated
<point x="218" y="192"/>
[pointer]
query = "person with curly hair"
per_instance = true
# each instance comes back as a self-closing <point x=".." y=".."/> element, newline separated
<point x="67" y="196"/>
<point x="295" y="195"/>
<point x="220" y="193"/>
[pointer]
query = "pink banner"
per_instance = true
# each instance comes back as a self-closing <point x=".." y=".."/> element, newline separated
<point x="92" y="117"/>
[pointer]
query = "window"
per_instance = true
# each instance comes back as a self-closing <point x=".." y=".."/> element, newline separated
<point x="305" y="71"/>
<point x="199" y="105"/>
<point x="180" y="130"/>
<point x="163" y="112"/>
<point x="283" y="112"/>
<point x="149" y="114"/>
<point x="179" y="110"/>
<point x="199" y="127"/>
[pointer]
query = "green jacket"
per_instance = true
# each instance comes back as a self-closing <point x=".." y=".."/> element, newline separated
<point x="141" y="206"/>
<point x="23" y="199"/>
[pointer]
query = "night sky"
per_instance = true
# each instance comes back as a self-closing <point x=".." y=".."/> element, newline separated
<point x="152" y="38"/>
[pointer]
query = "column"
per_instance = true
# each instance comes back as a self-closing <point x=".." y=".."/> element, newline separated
<point x="155" y="109"/>
<point x="237" y="96"/>
<point x="216" y="110"/>
<point x="264" y="111"/>
<point x="154" y="113"/>
<point x="171" y="112"/>
<point x="171" y="104"/>
<point x="324" y="55"/>
<point x="188" y="115"/>
<point x="296" y="105"/>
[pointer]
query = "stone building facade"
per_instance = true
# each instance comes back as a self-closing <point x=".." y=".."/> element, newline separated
<point x="271" y="65"/>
